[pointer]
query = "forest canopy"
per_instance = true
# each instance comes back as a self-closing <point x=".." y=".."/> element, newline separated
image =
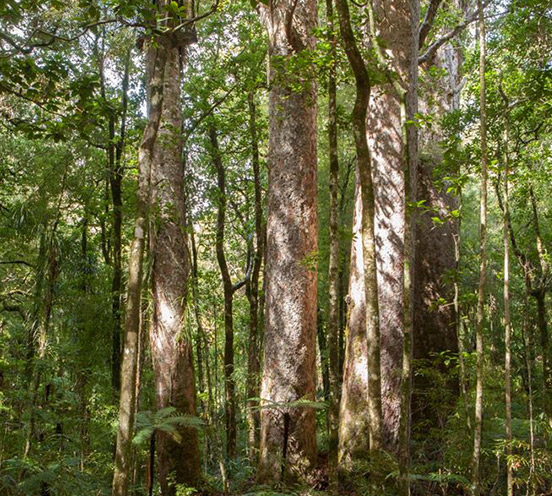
<point x="273" y="247"/>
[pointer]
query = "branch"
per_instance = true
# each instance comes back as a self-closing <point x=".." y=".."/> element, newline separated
<point x="191" y="20"/>
<point x="430" y="52"/>
<point x="427" y="23"/>
<point x="247" y="276"/>
<point x="16" y="262"/>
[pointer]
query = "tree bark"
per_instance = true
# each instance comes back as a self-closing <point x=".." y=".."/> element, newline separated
<point x="507" y="340"/>
<point x="367" y="229"/>
<point x="409" y="110"/>
<point x="353" y="410"/>
<point x="437" y="244"/>
<point x="288" y="434"/>
<point x="252" y="292"/>
<point x="156" y="61"/>
<point x="333" y="266"/>
<point x="480" y="315"/>
<point x="394" y="29"/>
<point x="171" y="350"/>
<point x="115" y="182"/>
<point x="229" y="383"/>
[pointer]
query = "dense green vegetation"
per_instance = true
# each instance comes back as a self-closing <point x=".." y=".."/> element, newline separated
<point x="255" y="153"/>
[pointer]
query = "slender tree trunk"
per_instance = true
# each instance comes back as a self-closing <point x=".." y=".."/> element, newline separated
<point x="542" y="320"/>
<point x="353" y="412"/>
<point x="364" y="171"/>
<point x="171" y="350"/>
<point x="115" y="181"/>
<point x="507" y="338"/>
<point x="531" y="486"/>
<point x="333" y="271"/>
<point x="252" y="292"/>
<point x="200" y="348"/>
<point x="156" y="61"/>
<point x="288" y="434"/>
<point x="324" y="362"/>
<point x="480" y="316"/>
<point x="83" y="373"/>
<point x="229" y="383"/>
<point x="545" y="345"/>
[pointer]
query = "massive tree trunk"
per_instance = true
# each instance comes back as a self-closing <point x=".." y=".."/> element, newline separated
<point x="288" y="434"/>
<point x="170" y="348"/>
<point x="436" y="243"/>
<point x="388" y="112"/>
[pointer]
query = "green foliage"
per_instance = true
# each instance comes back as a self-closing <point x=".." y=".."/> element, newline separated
<point x="166" y="420"/>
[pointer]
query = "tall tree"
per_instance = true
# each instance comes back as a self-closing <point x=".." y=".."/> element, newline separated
<point x="394" y="35"/>
<point x="333" y="269"/>
<point x="156" y="60"/>
<point x="367" y="235"/>
<point x="252" y="288"/>
<point x="288" y="433"/>
<point x="480" y="315"/>
<point x="171" y="349"/>
<point x="228" y="289"/>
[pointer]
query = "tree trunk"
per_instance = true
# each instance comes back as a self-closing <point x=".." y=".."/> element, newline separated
<point x="171" y="349"/>
<point x="507" y="340"/>
<point x="480" y="315"/>
<point x="409" y="110"/>
<point x="367" y="229"/>
<point x="437" y="244"/>
<point x="252" y="293"/>
<point x="353" y="411"/>
<point x="229" y="383"/>
<point x="540" y="296"/>
<point x="333" y="266"/>
<point x="396" y="29"/>
<point x="115" y="181"/>
<point x="288" y="434"/>
<point x="156" y="61"/>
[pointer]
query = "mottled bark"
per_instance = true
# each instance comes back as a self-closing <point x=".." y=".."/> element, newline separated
<point x="156" y="61"/>
<point x="353" y="411"/>
<point x="171" y="349"/>
<point x="367" y="230"/>
<point x="410" y="151"/>
<point x="288" y="434"/>
<point x="437" y="244"/>
<point x="394" y="28"/>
